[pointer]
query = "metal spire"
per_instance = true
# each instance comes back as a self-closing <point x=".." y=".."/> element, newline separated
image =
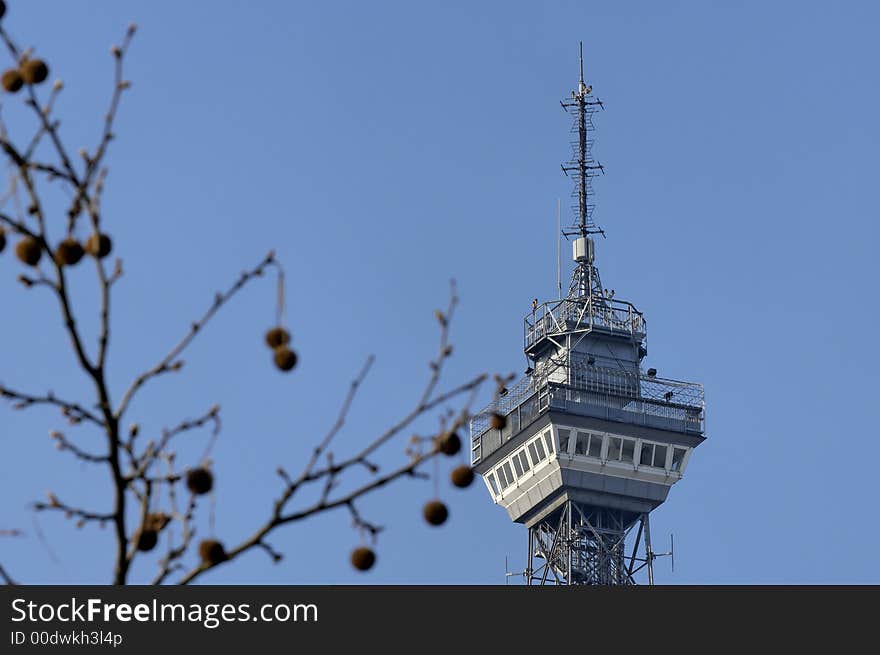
<point x="583" y="167"/>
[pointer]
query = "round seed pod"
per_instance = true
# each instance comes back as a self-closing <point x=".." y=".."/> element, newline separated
<point x="277" y="337"/>
<point x="2" y="239"/>
<point x="212" y="552"/>
<point x="199" y="481"/>
<point x="498" y="421"/>
<point x="69" y="252"/>
<point x="99" y="245"/>
<point x="449" y="443"/>
<point x="363" y="558"/>
<point x="462" y="476"/>
<point x="28" y="251"/>
<point x="34" y="71"/>
<point x="435" y="512"/>
<point x="146" y="540"/>
<point x="11" y="80"/>
<point x="285" y="358"/>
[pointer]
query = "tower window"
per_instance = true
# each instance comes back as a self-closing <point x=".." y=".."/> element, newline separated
<point x="581" y="443"/>
<point x="629" y="450"/>
<point x="647" y="454"/>
<point x="614" y="447"/>
<point x="540" y="448"/>
<point x="678" y="458"/>
<point x="517" y="466"/>
<point x="548" y="438"/>
<point x="503" y="483"/>
<point x="564" y="438"/>
<point x="659" y="456"/>
<point x="595" y="446"/>
<point x="508" y="473"/>
<point x="536" y="450"/>
<point x="490" y="478"/>
<point x="523" y="460"/>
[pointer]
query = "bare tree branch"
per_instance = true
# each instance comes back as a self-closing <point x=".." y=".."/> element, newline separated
<point x="62" y="443"/>
<point x="139" y="484"/>
<point x="74" y="412"/>
<point x="167" y="363"/>
<point x="7" y="579"/>
<point x="56" y="505"/>
<point x="332" y="471"/>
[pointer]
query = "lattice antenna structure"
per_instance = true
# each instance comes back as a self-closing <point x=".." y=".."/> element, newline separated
<point x="582" y="167"/>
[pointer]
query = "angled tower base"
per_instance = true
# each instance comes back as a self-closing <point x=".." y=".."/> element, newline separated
<point x="584" y="544"/>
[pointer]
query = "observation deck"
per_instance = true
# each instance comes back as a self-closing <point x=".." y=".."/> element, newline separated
<point x="609" y="394"/>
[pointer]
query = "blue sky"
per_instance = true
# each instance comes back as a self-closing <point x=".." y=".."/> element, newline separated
<point x="382" y="148"/>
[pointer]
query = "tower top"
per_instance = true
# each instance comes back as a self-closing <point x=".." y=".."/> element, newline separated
<point x="586" y="444"/>
<point x="582" y="167"/>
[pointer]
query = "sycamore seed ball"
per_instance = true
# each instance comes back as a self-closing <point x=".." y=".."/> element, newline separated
<point x="363" y="558"/>
<point x="69" y="252"/>
<point x="34" y="71"/>
<point x="435" y="512"/>
<point x="450" y="443"/>
<point x="146" y="540"/>
<point x="498" y="421"/>
<point x="462" y="476"/>
<point x="99" y="245"/>
<point x="277" y="337"/>
<point x="11" y="80"/>
<point x="28" y="251"/>
<point x="212" y="552"/>
<point x="285" y="358"/>
<point x="199" y="481"/>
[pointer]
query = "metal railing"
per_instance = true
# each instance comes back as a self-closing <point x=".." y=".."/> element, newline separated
<point x="579" y="314"/>
<point x="610" y="394"/>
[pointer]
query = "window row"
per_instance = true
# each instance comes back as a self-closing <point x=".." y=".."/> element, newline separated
<point x="520" y="462"/>
<point x="620" y="449"/>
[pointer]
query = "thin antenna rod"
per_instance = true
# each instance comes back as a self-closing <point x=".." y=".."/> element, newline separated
<point x="581" y="45"/>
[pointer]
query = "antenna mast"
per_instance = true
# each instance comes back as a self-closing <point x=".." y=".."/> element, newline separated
<point x="583" y="167"/>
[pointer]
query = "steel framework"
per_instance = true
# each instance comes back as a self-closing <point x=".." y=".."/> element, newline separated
<point x="584" y="545"/>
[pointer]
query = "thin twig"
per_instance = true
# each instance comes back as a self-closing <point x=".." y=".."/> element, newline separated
<point x="166" y="363"/>
<point x="7" y="579"/>
<point x="74" y="412"/>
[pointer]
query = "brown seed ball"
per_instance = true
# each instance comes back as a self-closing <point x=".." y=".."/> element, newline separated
<point x="450" y="443"/>
<point x="69" y="252"/>
<point x="435" y="513"/>
<point x="212" y="552"/>
<point x="12" y="80"/>
<point x="34" y="71"/>
<point x="28" y="251"/>
<point x="462" y="476"/>
<point x="99" y="245"/>
<point x="363" y="558"/>
<point x="146" y="540"/>
<point x="498" y="421"/>
<point x="2" y="239"/>
<point x="199" y="480"/>
<point x="277" y="337"/>
<point x="285" y="358"/>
